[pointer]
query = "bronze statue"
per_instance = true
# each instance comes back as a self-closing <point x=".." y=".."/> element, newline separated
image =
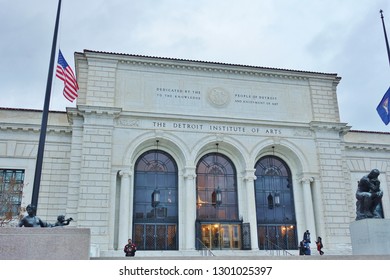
<point x="62" y="222"/>
<point x="31" y="220"/>
<point x="369" y="196"/>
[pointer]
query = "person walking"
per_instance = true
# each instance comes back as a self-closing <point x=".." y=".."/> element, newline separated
<point x="319" y="245"/>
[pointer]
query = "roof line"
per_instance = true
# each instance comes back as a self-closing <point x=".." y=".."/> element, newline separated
<point x="29" y="110"/>
<point x="208" y="62"/>
<point x="367" y="131"/>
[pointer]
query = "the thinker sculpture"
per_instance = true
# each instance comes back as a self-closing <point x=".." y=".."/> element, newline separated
<point x="369" y="196"/>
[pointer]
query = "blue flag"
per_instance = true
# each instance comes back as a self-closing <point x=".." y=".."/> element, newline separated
<point x="383" y="108"/>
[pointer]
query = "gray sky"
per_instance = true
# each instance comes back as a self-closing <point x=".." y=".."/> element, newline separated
<point x="333" y="36"/>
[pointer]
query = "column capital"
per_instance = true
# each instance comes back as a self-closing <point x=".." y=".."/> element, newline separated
<point x="249" y="175"/>
<point x="307" y="179"/>
<point x="123" y="173"/>
<point x="189" y="172"/>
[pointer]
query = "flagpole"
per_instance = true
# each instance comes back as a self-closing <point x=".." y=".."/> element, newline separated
<point x="384" y="30"/>
<point x="45" y="115"/>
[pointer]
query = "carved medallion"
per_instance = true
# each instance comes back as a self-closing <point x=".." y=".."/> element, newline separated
<point x="218" y="97"/>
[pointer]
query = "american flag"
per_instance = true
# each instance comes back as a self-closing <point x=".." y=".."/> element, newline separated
<point x="65" y="73"/>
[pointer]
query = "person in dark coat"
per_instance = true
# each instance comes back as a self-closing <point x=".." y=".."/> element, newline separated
<point x="301" y="248"/>
<point x="307" y="248"/>
<point x="319" y="245"/>
<point x="306" y="236"/>
<point x="130" y="249"/>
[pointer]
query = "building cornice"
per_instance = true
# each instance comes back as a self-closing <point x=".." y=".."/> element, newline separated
<point x="99" y="110"/>
<point x="34" y="128"/>
<point x="209" y="67"/>
<point x="366" y="147"/>
<point x="342" y="128"/>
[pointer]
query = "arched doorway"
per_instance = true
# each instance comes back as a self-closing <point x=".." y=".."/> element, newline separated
<point x="218" y="225"/>
<point x="155" y="202"/>
<point x="276" y="220"/>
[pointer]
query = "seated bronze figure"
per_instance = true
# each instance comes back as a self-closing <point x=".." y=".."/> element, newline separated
<point x="369" y="196"/>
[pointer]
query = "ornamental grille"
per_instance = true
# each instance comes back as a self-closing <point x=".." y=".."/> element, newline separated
<point x="155" y="236"/>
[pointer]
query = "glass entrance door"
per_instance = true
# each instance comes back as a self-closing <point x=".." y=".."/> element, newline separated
<point x="217" y="224"/>
<point x="221" y="236"/>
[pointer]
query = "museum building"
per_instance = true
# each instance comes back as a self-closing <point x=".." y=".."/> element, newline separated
<point x="183" y="156"/>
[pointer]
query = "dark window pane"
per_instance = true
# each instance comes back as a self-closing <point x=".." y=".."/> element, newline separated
<point x="216" y="171"/>
<point x="275" y="204"/>
<point x="156" y="171"/>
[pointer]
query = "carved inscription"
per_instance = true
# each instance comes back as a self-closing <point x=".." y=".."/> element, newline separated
<point x="217" y="128"/>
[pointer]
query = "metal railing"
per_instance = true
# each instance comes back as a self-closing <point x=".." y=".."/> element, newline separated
<point x="270" y="247"/>
<point x="274" y="249"/>
<point x="204" y="250"/>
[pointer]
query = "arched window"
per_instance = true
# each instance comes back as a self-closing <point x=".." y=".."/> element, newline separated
<point x="218" y="225"/>
<point x="275" y="204"/>
<point x="155" y="202"/>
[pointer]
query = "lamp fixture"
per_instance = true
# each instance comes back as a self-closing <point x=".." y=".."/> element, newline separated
<point x="216" y="197"/>
<point x="156" y="193"/>
<point x="277" y="199"/>
<point x="155" y="197"/>
<point x="270" y="200"/>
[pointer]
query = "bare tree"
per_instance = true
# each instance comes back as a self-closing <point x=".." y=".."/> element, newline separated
<point x="11" y="192"/>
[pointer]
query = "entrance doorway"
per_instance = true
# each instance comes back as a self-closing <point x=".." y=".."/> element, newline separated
<point x="218" y="225"/>
<point x="221" y="236"/>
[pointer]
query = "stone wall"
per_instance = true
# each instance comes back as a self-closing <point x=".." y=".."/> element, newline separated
<point x="370" y="237"/>
<point x="44" y="243"/>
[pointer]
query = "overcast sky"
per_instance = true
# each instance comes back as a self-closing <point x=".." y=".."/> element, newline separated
<point x="333" y="36"/>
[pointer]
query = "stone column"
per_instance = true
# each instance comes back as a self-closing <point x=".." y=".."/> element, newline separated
<point x="190" y="208"/>
<point x="124" y="206"/>
<point x="308" y="206"/>
<point x="251" y="218"/>
<point x="113" y="238"/>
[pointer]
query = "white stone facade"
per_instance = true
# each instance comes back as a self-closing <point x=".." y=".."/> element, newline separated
<point x="128" y="102"/>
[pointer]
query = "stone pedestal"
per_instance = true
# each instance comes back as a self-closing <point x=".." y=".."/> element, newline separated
<point x="370" y="237"/>
<point x="58" y="243"/>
